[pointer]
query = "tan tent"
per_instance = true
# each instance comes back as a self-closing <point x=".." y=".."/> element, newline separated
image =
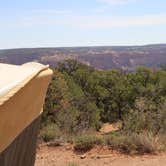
<point x="22" y="93"/>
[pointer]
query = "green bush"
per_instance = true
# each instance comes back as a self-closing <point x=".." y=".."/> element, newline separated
<point x="161" y="119"/>
<point x="49" y="132"/>
<point x="86" y="142"/>
<point x="121" y="143"/>
<point x="134" y="122"/>
<point x="147" y="116"/>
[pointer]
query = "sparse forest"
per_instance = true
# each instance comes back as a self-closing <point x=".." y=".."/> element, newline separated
<point x="81" y="98"/>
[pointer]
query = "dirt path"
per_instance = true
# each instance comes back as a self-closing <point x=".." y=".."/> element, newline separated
<point x="62" y="156"/>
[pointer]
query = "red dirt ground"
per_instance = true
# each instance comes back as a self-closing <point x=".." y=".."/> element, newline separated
<point x="98" y="156"/>
<point x="62" y="156"/>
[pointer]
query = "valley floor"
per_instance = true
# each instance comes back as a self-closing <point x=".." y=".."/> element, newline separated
<point x="98" y="156"/>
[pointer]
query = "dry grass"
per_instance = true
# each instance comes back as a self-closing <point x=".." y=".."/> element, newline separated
<point x="86" y="142"/>
<point x="135" y="143"/>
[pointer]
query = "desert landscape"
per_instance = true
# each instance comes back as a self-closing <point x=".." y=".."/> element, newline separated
<point x="83" y="83"/>
<point x="91" y="89"/>
<point x="110" y="57"/>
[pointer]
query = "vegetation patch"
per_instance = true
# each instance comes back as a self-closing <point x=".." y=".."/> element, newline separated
<point x="135" y="143"/>
<point x="81" y="98"/>
<point x="49" y="132"/>
<point x="86" y="142"/>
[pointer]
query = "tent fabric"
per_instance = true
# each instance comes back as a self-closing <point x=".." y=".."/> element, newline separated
<point x="22" y="93"/>
<point x="16" y="76"/>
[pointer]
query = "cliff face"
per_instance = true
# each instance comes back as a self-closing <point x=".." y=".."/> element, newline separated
<point x="127" y="57"/>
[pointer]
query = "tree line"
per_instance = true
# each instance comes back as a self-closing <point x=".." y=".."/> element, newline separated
<point x="81" y="97"/>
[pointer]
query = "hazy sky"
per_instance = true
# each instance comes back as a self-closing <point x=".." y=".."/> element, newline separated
<point x="53" y="23"/>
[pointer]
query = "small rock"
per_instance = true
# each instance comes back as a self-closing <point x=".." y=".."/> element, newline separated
<point x="68" y="148"/>
<point x="55" y="143"/>
<point x="83" y="156"/>
<point x="105" y="163"/>
<point x="94" y="157"/>
<point x="52" y="160"/>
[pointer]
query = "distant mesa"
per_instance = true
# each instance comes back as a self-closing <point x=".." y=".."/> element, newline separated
<point x="108" y="57"/>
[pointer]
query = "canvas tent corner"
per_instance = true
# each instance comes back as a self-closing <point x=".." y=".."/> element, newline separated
<point x="22" y="94"/>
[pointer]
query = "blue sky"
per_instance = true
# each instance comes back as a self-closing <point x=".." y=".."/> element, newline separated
<point x="54" y="23"/>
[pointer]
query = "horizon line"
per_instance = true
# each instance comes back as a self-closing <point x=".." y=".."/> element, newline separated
<point x="84" y="46"/>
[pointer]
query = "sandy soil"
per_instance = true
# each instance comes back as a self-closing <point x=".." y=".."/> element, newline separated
<point x="98" y="156"/>
<point x="107" y="128"/>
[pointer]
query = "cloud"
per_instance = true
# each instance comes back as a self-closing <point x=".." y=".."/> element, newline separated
<point x="118" y="22"/>
<point x="116" y="2"/>
<point x="37" y="17"/>
<point x="101" y="9"/>
<point x="53" y="11"/>
<point x="90" y="22"/>
<point x="106" y="4"/>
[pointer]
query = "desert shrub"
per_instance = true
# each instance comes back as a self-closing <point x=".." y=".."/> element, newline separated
<point x="162" y="142"/>
<point x="134" y="122"/>
<point x="86" y="142"/>
<point x="134" y="143"/>
<point x="49" y="132"/>
<point x="145" y="143"/>
<point x="161" y="119"/>
<point x="147" y="116"/>
<point x="121" y="143"/>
